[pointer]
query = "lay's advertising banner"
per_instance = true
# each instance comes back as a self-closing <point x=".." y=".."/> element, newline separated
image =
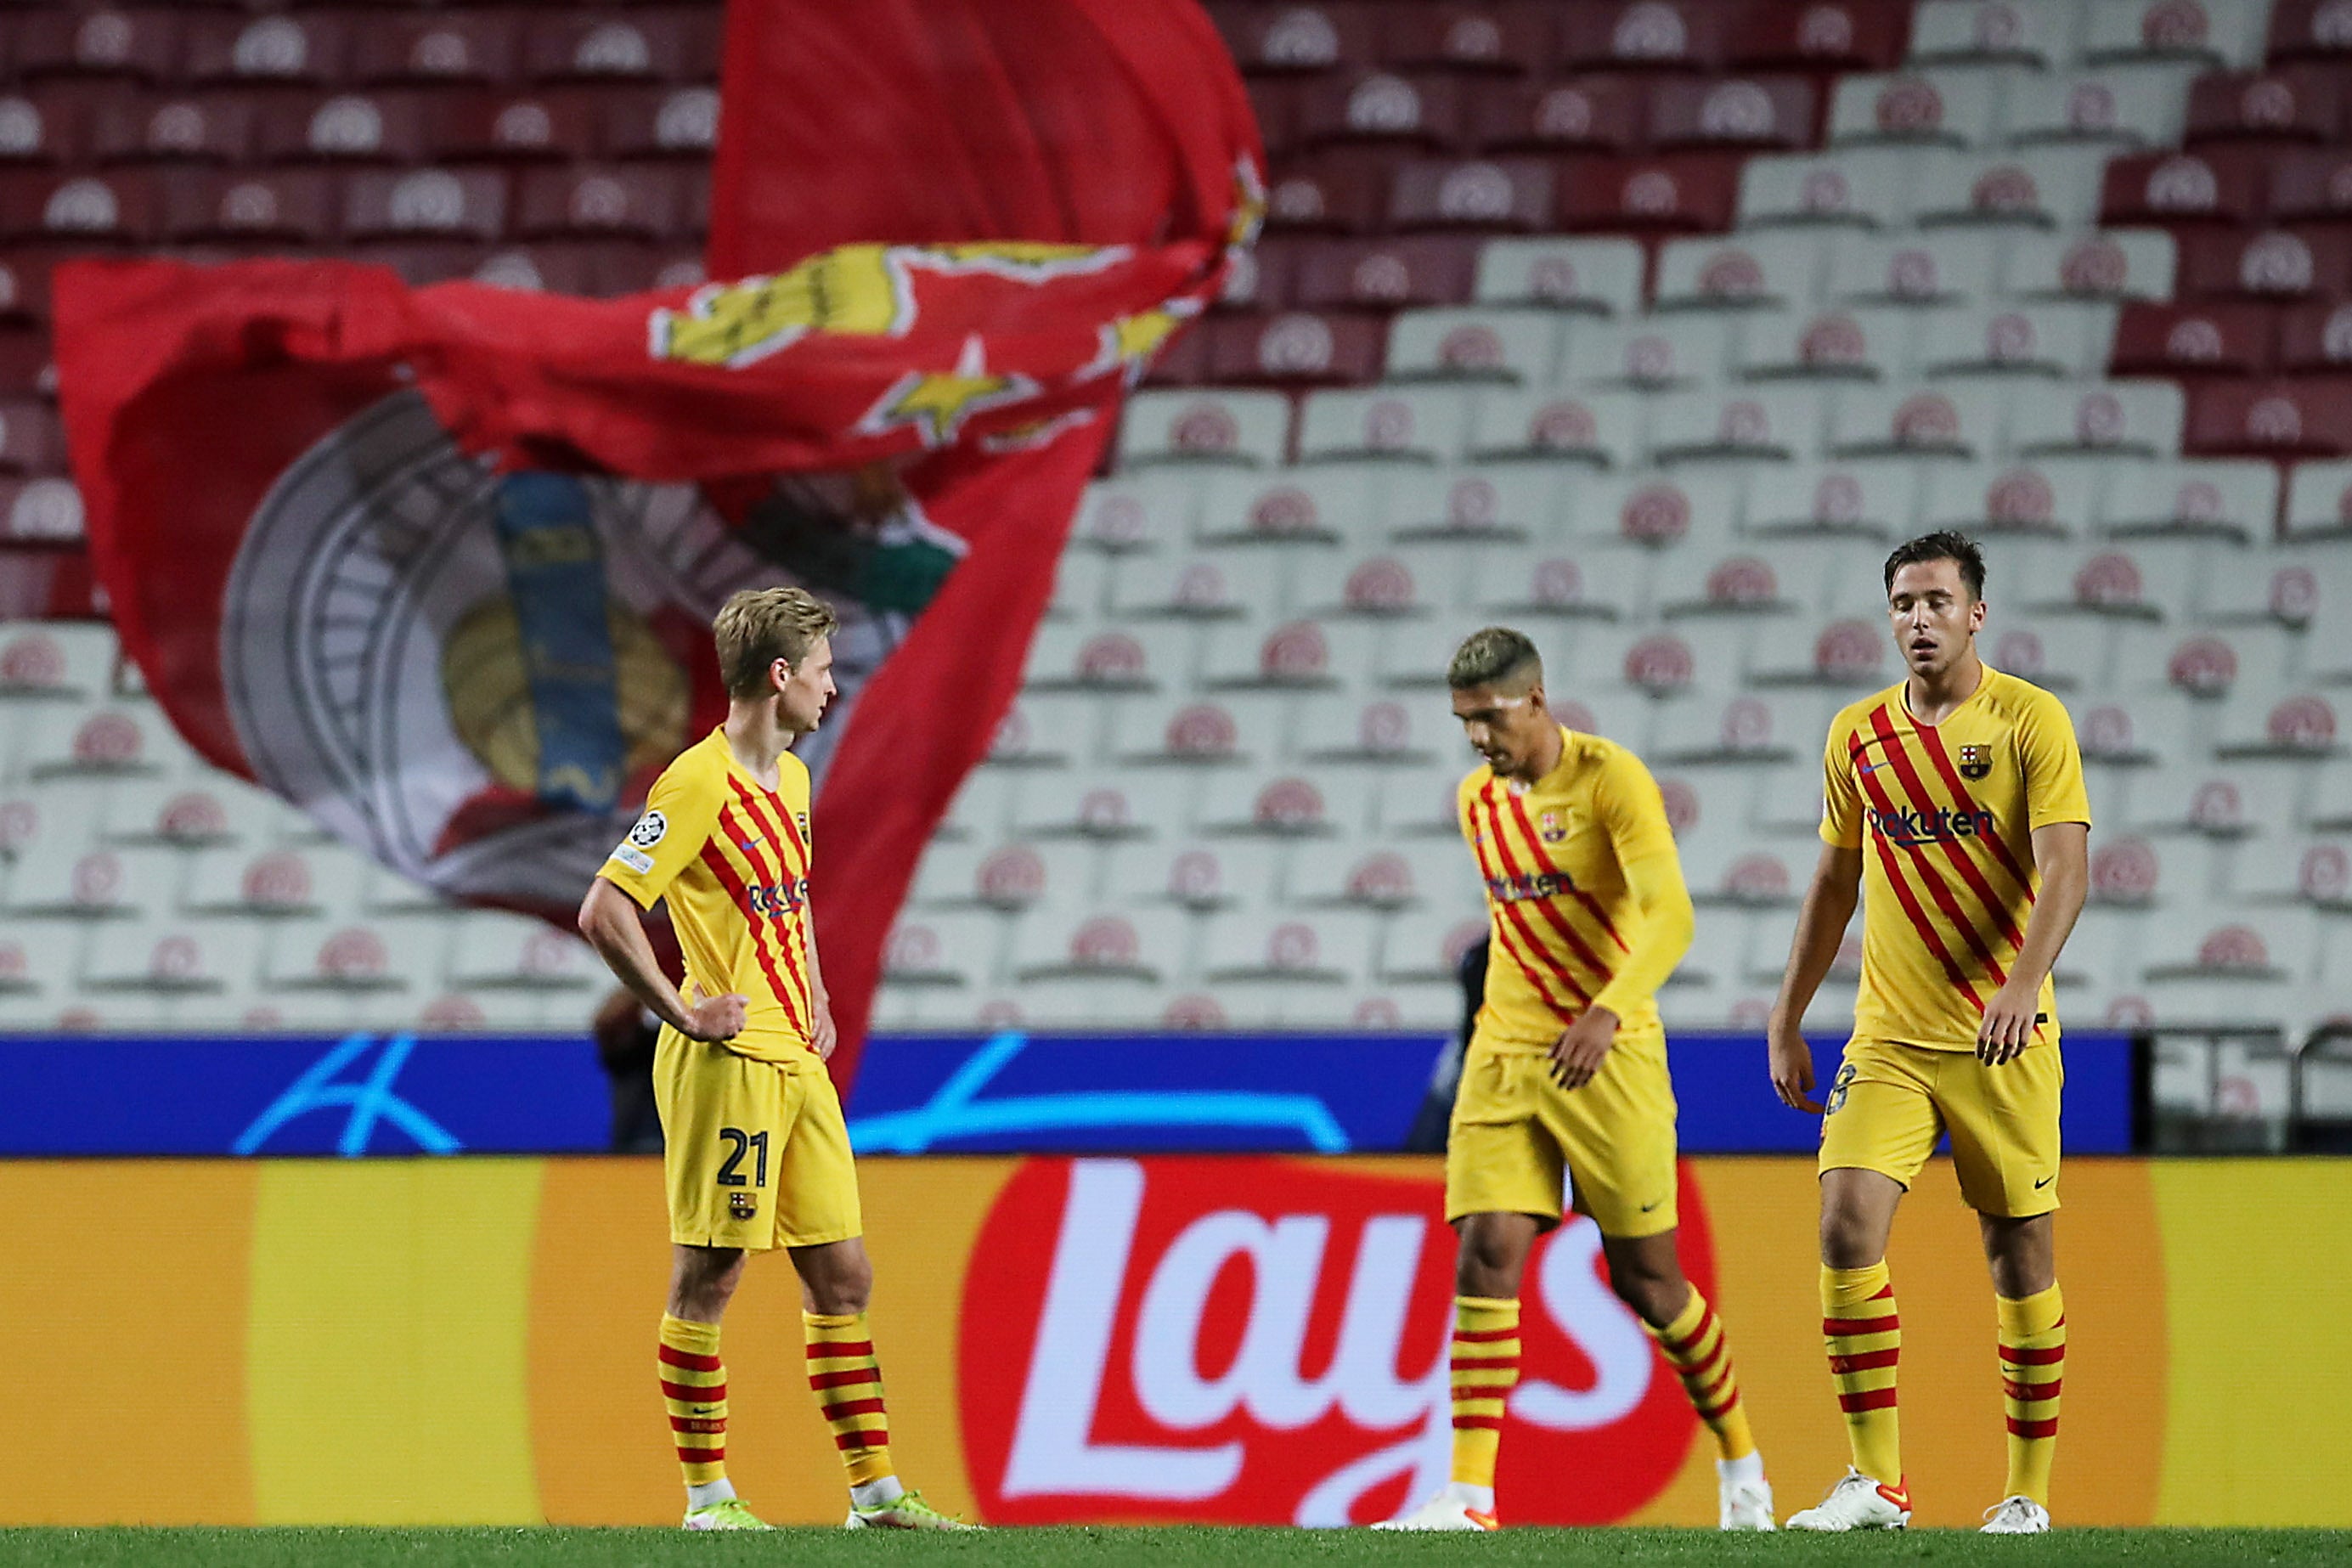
<point x="1245" y="1339"/>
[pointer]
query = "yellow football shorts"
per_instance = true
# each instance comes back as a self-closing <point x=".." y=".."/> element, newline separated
<point x="1889" y="1102"/>
<point x="1516" y="1136"/>
<point x="755" y="1154"/>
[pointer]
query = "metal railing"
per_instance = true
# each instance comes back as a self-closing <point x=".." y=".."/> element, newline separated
<point x="2319" y="1109"/>
<point x="2223" y="1089"/>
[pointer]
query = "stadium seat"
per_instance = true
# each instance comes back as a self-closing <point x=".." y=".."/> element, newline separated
<point x="1244" y="427"/>
<point x="157" y="960"/>
<point x="1602" y="277"/>
<point x="1319" y="507"/>
<point x="1870" y="498"/>
<point x="1189" y="873"/>
<point x="1239" y="731"/>
<point x="388" y="203"/>
<point x="1474" y="344"/>
<point x="1865" y="188"/>
<point x="1254" y="960"/>
<point x="930" y="950"/>
<point x="1601" y="428"/>
<point x="1934" y="108"/>
<point x="2114" y="263"/>
<point x="2318" y="500"/>
<point x="1588" y="114"/>
<point x="438" y="47"/>
<point x="1140" y="657"/>
<point x="274" y="881"/>
<point x="1373" y="274"/>
<point x="1383" y="732"/>
<point x="1275" y="805"/>
<point x="305" y="48"/>
<point x="2069" y="342"/>
<point x="2220" y="33"/>
<point x="1211" y="585"/>
<point x="1420" y="424"/>
<point x="211" y="129"/>
<point x="1666" y="193"/>
<point x="2052" y="188"/>
<point x="1649" y="353"/>
<point x="1743" y="273"/>
<point x="2126" y="109"/>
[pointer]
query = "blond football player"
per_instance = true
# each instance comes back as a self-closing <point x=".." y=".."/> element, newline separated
<point x="1955" y="801"/>
<point x="1565" y="1078"/>
<point x="756" y="1153"/>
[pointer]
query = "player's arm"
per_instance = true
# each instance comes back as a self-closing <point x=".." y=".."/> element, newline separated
<point x="2063" y="853"/>
<point x="1662" y="925"/>
<point x="1830" y="899"/>
<point x="821" y="1034"/>
<point x="680" y="812"/>
<point x="2058" y="812"/>
<point x="615" y="927"/>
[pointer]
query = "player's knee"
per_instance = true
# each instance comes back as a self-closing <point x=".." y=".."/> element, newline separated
<point x="1849" y="1239"/>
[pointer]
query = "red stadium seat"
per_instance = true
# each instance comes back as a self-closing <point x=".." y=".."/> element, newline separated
<point x="1275" y="102"/>
<point x="2309" y="417"/>
<point x="2280" y="265"/>
<point x="425" y="203"/>
<point x="447" y="47"/>
<point x="1297" y="348"/>
<point x="299" y="205"/>
<point x="660" y="122"/>
<point x="2309" y="29"/>
<point x="2193" y="341"/>
<point x="2209" y="186"/>
<point x="2312" y="183"/>
<point x="2291" y="104"/>
<point x="512" y="126"/>
<point x="1514" y="36"/>
<point x="24" y="362"/>
<point x="631" y="45"/>
<point x="1503" y="194"/>
<point x="346" y="128"/>
<point x="1380" y="106"/>
<point x="309" y="47"/>
<point x="1644" y="35"/>
<point x="1284" y="39"/>
<point x="43" y="128"/>
<point x="214" y="129"/>
<point x="1341" y="190"/>
<point x="1601" y="113"/>
<point x="2315" y="339"/>
<point x="1687" y="192"/>
<point x="1827" y="35"/>
<point x="25" y="285"/>
<point x="119" y="207"/>
<point x="30" y="439"/>
<point x="140" y="44"/>
<point x="1767" y="112"/>
<point x="642" y="200"/>
<point x="1385" y="274"/>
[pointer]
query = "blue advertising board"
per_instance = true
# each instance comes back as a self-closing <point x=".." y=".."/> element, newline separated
<point x="1003" y="1093"/>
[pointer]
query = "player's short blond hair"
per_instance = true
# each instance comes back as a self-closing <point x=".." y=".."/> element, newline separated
<point x="760" y="625"/>
<point x="1494" y="655"/>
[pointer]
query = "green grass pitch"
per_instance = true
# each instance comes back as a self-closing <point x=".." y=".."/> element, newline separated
<point x="1225" y="1547"/>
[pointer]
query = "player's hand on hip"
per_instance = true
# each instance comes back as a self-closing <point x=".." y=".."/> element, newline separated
<point x="712" y="1019"/>
<point x="1582" y="1047"/>
<point x="821" y="1034"/>
<point x="2008" y="1021"/>
<point x="1792" y="1068"/>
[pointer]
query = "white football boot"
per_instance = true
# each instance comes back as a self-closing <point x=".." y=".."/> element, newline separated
<point x="1857" y="1502"/>
<point x="1447" y="1510"/>
<point x="2016" y="1516"/>
<point x="1742" y="1501"/>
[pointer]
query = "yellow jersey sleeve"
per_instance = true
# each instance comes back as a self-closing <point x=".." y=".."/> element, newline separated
<point x="680" y="812"/>
<point x="2053" y="764"/>
<point x="1841" y="791"/>
<point x="1626" y="798"/>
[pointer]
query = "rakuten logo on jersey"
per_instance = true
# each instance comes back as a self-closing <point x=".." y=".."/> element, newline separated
<point x="1264" y="1341"/>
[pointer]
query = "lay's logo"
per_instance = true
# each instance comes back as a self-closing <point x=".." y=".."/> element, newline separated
<point x="1265" y="1342"/>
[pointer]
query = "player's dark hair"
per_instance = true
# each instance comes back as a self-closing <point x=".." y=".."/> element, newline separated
<point x="1944" y="544"/>
<point x="1492" y="655"/>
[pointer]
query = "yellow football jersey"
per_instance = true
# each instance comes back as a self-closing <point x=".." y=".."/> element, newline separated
<point x="1949" y="811"/>
<point x="1558" y="905"/>
<point x="732" y="859"/>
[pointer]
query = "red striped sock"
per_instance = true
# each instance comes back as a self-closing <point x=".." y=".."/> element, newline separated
<point x="2032" y="1370"/>
<point x="694" y="1389"/>
<point x="1865" y="1337"/>
<point x="1485" y="1366"/>
<point x="847" y="1382"/>
<point x="1694" y="1343"/>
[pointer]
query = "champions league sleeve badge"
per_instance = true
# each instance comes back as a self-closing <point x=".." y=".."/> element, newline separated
<point x="471" y="676"/>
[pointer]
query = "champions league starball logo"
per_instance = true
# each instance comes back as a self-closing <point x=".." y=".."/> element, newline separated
<point x="473" y="677"/>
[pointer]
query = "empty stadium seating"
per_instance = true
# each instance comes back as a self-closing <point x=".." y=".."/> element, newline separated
<point x="1648" y="326"/>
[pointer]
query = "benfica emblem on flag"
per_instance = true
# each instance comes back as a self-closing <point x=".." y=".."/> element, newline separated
<point x="439" y="565"/>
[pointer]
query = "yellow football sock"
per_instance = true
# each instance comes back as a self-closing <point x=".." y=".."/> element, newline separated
<point x="1865" y="1341"/>
<point x="694" y="1388"/>
<point x="1694" y="1343"/>
<point x="1486" y="1364"/>
<point x="848" y="1382"/>
<point x="2032" y="1369"/>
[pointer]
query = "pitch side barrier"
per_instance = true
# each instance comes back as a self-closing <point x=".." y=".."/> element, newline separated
<point x="1010" y="1093"/>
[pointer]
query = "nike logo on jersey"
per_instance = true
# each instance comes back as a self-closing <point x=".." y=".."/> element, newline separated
<point x="2044" y="1182"/>
<point x="1653" y="1204"/>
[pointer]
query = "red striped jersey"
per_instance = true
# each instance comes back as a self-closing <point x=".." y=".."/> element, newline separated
<point x="1558" y="909"/>
<point x="733" y="860"/>
<point x="1944" y="814"/>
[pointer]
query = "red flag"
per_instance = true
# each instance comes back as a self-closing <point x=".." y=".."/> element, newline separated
<point x="439" y="565"/>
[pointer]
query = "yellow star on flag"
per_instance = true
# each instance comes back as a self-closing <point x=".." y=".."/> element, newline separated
<point x="938" y="402"/>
